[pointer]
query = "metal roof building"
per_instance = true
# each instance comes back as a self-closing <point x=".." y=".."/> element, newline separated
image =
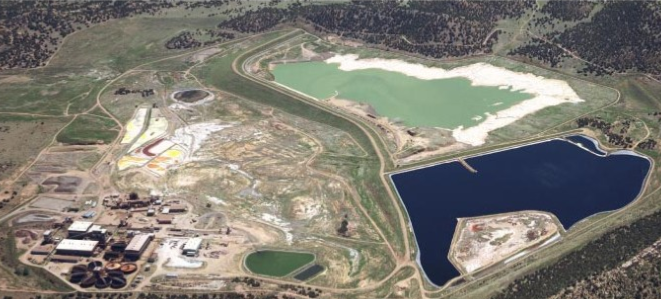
<point x="79" y="227"/>
<point x="97" y="229"/>
<point x="164" y="219"/>
<point x="177" y="208"/>
<point x="76" y="247"/>
<point x="192" y="246"/>
<point x="138" y="244"/>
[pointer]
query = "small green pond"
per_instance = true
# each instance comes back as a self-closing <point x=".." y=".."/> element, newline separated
<point x="276" y="263"/>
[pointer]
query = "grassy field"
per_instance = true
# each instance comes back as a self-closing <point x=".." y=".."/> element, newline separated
<point x="47" y="95"/>
<point x="23" y="137"/>
<point x="142" y="39"/>
<point x="89" y="129"/>
<point x="276" y="263"/>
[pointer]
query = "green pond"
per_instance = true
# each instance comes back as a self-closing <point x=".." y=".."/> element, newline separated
<point x="447" y="103"/>
<point x="276" y="263"/>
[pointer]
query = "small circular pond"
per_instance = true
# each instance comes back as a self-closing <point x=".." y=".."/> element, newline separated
<point x="191" y="95"/>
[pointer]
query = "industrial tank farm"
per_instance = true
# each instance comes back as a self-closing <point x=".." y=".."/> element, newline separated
<point x="94" y="274"/>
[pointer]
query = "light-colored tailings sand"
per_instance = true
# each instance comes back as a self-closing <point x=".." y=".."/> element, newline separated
<point x="168" y="159"/>
<point x="172" y="151"/>
<point x="192" y="136"/>
<point x="157" y="127"/>
<point x="134" y="126"/>
<point x="547" y="92"/>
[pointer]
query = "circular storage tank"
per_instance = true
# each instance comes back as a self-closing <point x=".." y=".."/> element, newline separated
<point x="102" y="283"/>
<point x="117" y="282"/>
<point x="129" y="268"/>
<point x="79" y="269"/>
<point x="115" y="273"/>
<point x="93" y="265"/>
<point x="113" y="266"/>
<point x="88" y="282"/>
<point x="77" y="277"/>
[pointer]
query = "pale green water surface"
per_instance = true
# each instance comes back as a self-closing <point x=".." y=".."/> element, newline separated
<point x="447" y="103"/>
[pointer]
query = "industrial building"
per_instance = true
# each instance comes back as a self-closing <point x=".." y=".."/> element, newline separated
<point x="79" y="228"/>
<point x="178" y="208"/>
<point x="97" y="229"/>
<point x="64" y="259"/>
<point x="48" y="236"/>
<point x="164" y="219"/>
<point x="42" y="250"/>
<point x="138" y="244"/>
<point x="192" y="246"/>
<point x="76" y="247"/>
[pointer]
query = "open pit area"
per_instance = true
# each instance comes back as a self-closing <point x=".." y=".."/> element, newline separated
<point x="190" y="189"/>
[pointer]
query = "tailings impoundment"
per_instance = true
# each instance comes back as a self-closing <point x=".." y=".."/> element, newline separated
<point x="446" y="103"/>
<point x="555" y="176"/>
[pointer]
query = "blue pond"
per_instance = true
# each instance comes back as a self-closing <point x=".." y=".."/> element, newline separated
<point x="556" y="176"/>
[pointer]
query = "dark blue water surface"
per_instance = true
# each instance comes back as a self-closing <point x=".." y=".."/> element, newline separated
<point x="554" y="176"/>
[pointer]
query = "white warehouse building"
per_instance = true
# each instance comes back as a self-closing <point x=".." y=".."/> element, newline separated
<point x="192" y="246"/>
<point x="79" y="228"/>
<point x="76" y="247"/>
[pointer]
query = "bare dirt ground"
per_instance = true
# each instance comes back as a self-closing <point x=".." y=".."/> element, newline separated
<point x="483" y="241"/>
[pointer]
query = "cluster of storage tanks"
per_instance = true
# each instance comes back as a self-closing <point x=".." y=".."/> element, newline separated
<point x="95" y="274"/>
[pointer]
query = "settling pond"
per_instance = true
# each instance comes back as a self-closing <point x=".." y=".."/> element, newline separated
<point x="557" y="176"/>
<point x="447" y="103"/>
<point x="276" y="263"/>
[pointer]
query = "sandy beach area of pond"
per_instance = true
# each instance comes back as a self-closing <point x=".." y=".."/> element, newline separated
<point x="546" y="92"/>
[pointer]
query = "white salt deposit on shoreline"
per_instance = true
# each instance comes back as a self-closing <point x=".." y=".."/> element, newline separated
<point x="546" y="92"/>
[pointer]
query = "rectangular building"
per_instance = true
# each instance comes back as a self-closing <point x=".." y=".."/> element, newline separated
<point x="42" y="250"/>
<point x="64" y="259"/>
<point x="138" y="244"/>
<point x="192" y="246"/>
<point x="79" y="228"/>
<point x="164" y="219"/>
<point x="178" y="208"/>
<point x="76" y="247"/>
<point x="97" y="229"/>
